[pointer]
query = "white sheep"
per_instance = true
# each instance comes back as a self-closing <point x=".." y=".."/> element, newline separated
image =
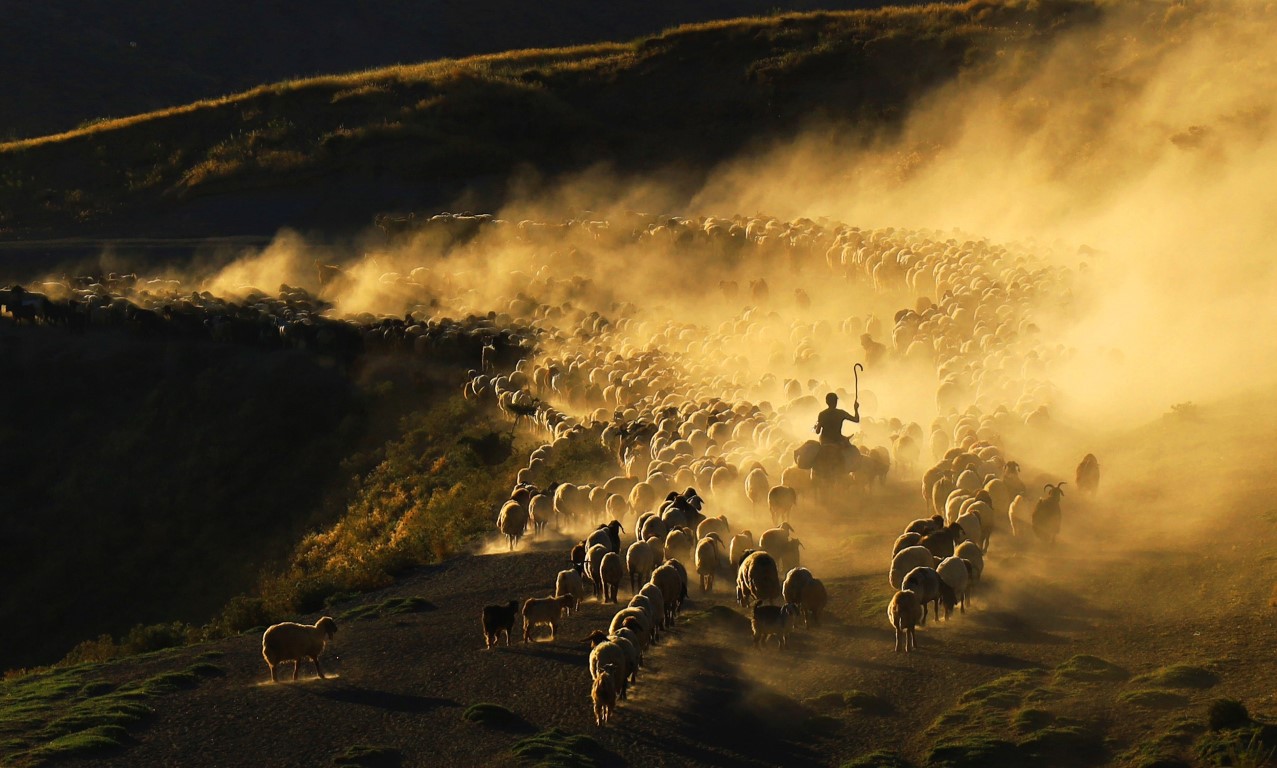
<point x="639" y="560"/>
<point x="795" y="582"/>
<point x="739" y="544"/>
<point x="611" y="571"/>
<point x="290" y="641"/>
<point x="904" y="612"/>
<point x="925" y="583"/>
<point x="606" y="653"/>
<point x="512" y="521"/>
<point x="955" y="576"/>
<point x="593" y="561"/>
<point x="710" y="525"/>
<point x="970" y="551"/>
<point x="1020" y="516"/>
<point x="707" y="560"/>
<point x="656" y="599"/>
<point x="757" y="579"/>
<point x="678" y="544"/>
<point x="905" y="561"/>
<point x="569" y="582"/>
<point x="666" y="579"/>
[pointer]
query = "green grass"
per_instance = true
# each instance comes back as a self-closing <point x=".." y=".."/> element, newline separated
<point x="492" y="714"/>
<point x="1152" y="698"/>
<point x="882" y="758"/>
<point x="556" y="748"/>
<point x="73" y="712"/>
<point x="392" y="607"/>
<point x="1180" y="676"/>
<point x="1087" y="668"/>
<point x="361" y="756"/>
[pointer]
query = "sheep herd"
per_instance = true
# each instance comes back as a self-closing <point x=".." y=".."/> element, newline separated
<point x="695" y="352"/>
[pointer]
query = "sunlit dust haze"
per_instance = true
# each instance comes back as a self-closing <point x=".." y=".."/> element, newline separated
<point x="1092" y="219"/>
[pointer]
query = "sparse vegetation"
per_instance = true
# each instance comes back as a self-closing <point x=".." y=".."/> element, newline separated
<point x="1087" y="668"/>
<point x="394" y="606"/>
<point x="1151" y="698"/>
<point x="492" y="714"/>
<point x="361" y="756"/>
<point x="1179" y="676"/>
<point x="557" y="748"/>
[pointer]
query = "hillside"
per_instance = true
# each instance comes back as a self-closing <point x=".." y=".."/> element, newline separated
<point x="146" y="55"/>
<point x="329" y="152"/>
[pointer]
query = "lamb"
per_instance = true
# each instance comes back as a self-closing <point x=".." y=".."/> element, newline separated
<point x="603" y="694"/>
<point x="757" y="580"/>
<point x="512" y="521"/>
<point x="290" y="641"/>
<point x="904" y="612"/>
<point x="1046" y="514"/>
<point x="569" y="582"/>
<point x="925" y="583"/>
<point x="611" y="571"/>
<point x="499" y="620"/>
<point x="707" y="560"/>
<point x="1088" y="475"/>
<point x="905" y="561"/>
<point x="544" y="610"/>
<point x="772" y="621"/>
<point x="639" y="560"/>
<point x="577" y="557"/>
<point x="955" y="577"/>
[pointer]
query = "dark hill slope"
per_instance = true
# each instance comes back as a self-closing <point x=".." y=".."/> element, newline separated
<point x="331" y="151"/>
<point x="65" y="62"/>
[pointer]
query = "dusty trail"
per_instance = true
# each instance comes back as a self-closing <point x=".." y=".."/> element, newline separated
<point x="706" y="696"/>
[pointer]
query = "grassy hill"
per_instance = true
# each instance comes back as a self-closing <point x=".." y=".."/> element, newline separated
<point x="332" y="150"/>
<point x="145" y="55"/>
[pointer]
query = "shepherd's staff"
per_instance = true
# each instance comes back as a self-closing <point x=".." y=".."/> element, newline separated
<point x="856" y="369"/>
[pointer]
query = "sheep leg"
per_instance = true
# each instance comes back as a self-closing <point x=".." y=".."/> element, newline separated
<point x="318" y="671"/>
<point x="273" y="677"/>
<point x="296" y="665"/>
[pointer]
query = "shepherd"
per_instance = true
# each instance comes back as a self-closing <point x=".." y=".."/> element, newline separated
<point x="829" y="421"/>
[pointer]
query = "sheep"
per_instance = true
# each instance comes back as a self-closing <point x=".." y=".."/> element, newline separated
<point x="540" y="510"/>
<point x="678" y="544"/>
<point x="904" y="612"/>
<point x="773" y="621"/>
<point x="646" y="622"/>
<point x="815" y="598"/>
<point x="611" y="571"/>
<point x="1020" y="516"/>
<point x="290" y="641"/>
<point x="568" y="582"/>
<point x="593" y="561"/>
<point x="737" y="546"/>
<point x="710" y="525"/>
<point x="639" y="560"/>
<point x="499" y="620"/>
<point x="577" y="557"/>
<point x="795" y="582"/>
<point x="757" y="486"/>
<point x="1088" y="475"/>
<point x="942" y="542"/>
<point x="609" y="535"/>
<point x="603" y="694"/>
<point x="955" y="577"/>
<point x="772" y="538"/>
<point x="904" y="541"/>
<point x="972" y="524"/>
<point x="656" y="599"/>
<point x="971" y="552"/>
<point x="757" y="579"/>
<point x="925" y="583"/>
<point x="1046" y="514"/>
<point x="606" y="653"/>
<point x="631" y="645"/>
<point x="905" y="561"/>
<point x="665" y="578"/>
<point x="512" y="521"/>
<point x="544" y="610"/>
<point x="926" y="525"/>
<point x="707" y="560"/>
